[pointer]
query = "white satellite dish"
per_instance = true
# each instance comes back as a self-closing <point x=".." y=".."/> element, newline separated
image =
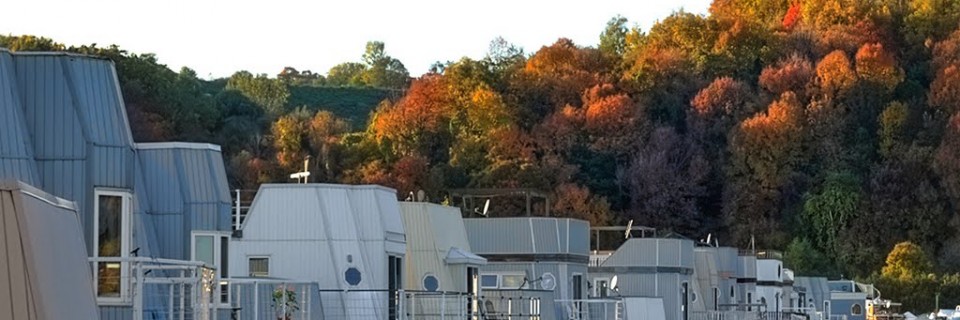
<point x="421" y="195"/>
<point x="486" y="207"/>
<point x="626" y="234"/>
<point x="548" y="281"/>
<point x="613" y="284"/>
<point x="709" y="236"/>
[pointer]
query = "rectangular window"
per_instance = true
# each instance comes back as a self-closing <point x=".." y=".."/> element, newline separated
<point x="488" y="281"/>
<point x="112" y="242"/>
<point x="601" y="286"/>
<point x="512" y="281"/>
<point x="259" y="266"/>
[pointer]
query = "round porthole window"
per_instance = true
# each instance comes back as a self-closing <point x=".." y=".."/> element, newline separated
<point x="352" y="276"/>
<point x="430" y="283"/>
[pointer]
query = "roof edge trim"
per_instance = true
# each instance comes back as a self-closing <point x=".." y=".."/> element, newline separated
<point x="26" y="189"/>
<point x="177" y="145"/>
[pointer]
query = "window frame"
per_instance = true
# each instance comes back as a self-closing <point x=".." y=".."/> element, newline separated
<point x="423" y="282"/>
<point x="496" y="278"/>
<point x="219" y="277"/>
<point x="126" y="239"/>
<point x="258" y="256"/>
<point x="606" y="287"/>
<point x="855" y="308"/>
<point x="500" y="276"/>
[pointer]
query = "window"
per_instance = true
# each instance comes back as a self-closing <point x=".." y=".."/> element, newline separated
<point x="577" y="286"/>
<point x="352" y="276"/>
<point x="259" y="266"/>
<point x="394" y="284"/>
<point x="716" y="299"/>
<point x="749" y="301"/>
<point x="602" y="287"/>
<point x="430" y="283"/>
<point x="512" y="281"/>
<point x="112" y="242"/>
<point x="489" y="281"/>
<point x="856" y="309"/>
<point x="503" y="281"/>
<point x="211" y="248"/>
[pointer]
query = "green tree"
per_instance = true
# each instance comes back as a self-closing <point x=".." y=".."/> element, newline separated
<point x="269" y="94"/>
<point x="804" y="258"/>
<point x="829" y="212"/>
<point x="613" y="40"/>
<point x="346" y="74"/>
<point x="383" y="71"/>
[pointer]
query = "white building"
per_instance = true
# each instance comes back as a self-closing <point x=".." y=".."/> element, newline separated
<point x="349" y="240"/>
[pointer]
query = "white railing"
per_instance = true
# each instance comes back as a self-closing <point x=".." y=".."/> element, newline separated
<point x="597" y="258"/>
<point x="589" y="309"/>
<point x="271" y="299"/>
<point x="156" y="288"/>
<point x="438" y="305"/>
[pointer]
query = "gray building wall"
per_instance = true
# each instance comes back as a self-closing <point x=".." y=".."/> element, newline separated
<point x="64" y="129"/>
<point x="534" y="246"/>
<point x="185" y="187"/>
<point x="654" y="267"/>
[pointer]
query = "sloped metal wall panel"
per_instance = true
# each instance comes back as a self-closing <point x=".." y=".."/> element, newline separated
<point x="49" y="111"/>
<point x="16" y="154"/>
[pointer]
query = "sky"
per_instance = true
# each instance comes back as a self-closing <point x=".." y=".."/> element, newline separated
<point x="218" y="37"/>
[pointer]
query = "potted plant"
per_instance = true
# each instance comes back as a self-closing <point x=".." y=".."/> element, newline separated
<point x="285" y="302"/>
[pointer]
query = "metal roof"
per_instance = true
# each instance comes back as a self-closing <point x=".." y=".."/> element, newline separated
<point x="43" y="265"/>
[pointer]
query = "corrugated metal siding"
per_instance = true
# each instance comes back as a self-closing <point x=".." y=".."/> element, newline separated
<point x="653" y="252"/>
<point x="310" y="230"/>
<point x="579" y="236"/>
<point x="546" y="235"/>
<point x="16" y="156"/>
<point x="112" y="167"/>
<point x="185" y="194"/>
<point x="160" y="178"/>
<point x="527" y="235"/>
<point x="49" y="111"/>
<point x="95" y="89"/>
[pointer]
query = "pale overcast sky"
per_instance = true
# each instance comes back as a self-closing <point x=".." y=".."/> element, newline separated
<point x="216" y="38"/>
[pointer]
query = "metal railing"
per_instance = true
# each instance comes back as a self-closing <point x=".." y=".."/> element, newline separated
<point x="242" y="200"/>
<point x="156" y="288"/>
<point x="748" y="315"/>
<point x="271" y="299"/>
<point x="591" y="309"/>
<point x="438" y="305"/>
<point x="517" y="304"/>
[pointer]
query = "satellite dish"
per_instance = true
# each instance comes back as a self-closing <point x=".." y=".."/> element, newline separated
<point x="548" y="281"/>
<point x="421" y="195"/>
<point x="709" y="236"/>
<point x="613" y="284"/>
<point x="409" y="196"/>
<point x="626" y="234"/>
<point x="486" y="207"/>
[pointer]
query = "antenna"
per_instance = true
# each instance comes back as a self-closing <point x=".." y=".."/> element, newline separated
<point x="304" y="176"/>
<point x="626" y="234"/>
<point x="486" y="207"/>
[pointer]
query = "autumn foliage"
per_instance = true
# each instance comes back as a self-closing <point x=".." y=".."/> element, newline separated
<point x="831" y="127"/>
